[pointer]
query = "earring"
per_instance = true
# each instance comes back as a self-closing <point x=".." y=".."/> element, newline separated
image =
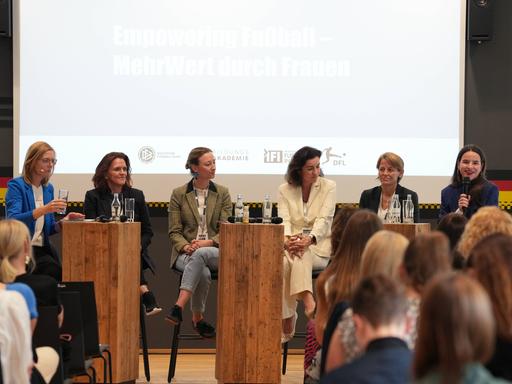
<point x="27" y="259"/>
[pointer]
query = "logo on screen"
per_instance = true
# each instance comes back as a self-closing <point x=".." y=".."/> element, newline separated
<point x="336" y="159"/>
<point x="273" y="156"/>
<point x="147" y="154"/>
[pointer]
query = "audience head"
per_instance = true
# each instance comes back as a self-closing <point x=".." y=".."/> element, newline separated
<point x="470" y="163"/>
<point x="491" y="263"/>
<point x="304" y="163"/>
<point x="194" y="156"/>
<point x="383" y="254"/>
<point x="452" y="225"/>
<point x="339" y="224"/>
<point x="378" y="302"/>
<point x="456" y="327"/>
<point x="427" y="255"/>
<point x="485" y="222"/>
<point x="39" y="160"/>
<point x="108" y="169"/>
<point x="15" y="247"/>
<point x="345" y="263"/>
<point x="390" y="160"/>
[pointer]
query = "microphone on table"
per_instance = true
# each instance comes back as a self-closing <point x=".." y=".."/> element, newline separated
<point x="465" y="189"/>
<point x="254" y="220"/>
<point x="106" y="219"/>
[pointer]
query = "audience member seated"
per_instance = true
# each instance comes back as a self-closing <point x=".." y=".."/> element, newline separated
<point x="491" y="264"/>
<point x="306" y="203"/>
<point x="195" y="213"/>
<point x="378" y="199"/>
<point x="452" y="225"/>
<point x="456" y="333"/>
<point x="485" y="222"/>
<point x="425" y="256"/>
<point x="470" y="165"/>
<point x="338" y="281"/>
<point x="15" y="250"/>
<point x="15" y="338"/>
<point x="379" y="307"/>
<point x="113" y="175"/>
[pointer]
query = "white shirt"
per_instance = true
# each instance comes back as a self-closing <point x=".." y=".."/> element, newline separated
<point x="37" y="239"/>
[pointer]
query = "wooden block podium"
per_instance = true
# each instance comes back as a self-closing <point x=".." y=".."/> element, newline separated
<point x="249" y="303"/>
<point x="109" y="255"/>
<point x="408" y="230"/>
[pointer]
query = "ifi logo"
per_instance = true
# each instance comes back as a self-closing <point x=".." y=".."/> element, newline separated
<point x="147" y="154"/>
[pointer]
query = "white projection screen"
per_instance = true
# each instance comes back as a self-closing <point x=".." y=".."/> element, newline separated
<point x="253" y="80"/>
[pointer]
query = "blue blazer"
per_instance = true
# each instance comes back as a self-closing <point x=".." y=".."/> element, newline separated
<point x="450" y="199"/>
<point x="20" y="203"/>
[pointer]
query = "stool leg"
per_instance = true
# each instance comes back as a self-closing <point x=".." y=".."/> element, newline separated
<point x="285" y="358"/>
<point x="145" y="354"/>
<point x="174" y="352"/>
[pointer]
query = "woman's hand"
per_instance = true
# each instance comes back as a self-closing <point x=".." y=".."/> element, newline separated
<point x="195" y="245"/>
<point x="464" y="201"/>
<point x="296" y="245"/>
<point x="56" y="205"/>
<point x="74" y="216"/>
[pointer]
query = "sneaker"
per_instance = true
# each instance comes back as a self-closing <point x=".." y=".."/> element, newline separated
<point x="175" y="315"/>
<point x="204" y="329"/>
<point x="149" y="301"/>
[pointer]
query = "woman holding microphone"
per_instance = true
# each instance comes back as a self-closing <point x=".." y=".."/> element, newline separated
<point x="30" y="199"/>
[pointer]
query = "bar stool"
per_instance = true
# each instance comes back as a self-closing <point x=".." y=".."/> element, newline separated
<point x="176" y="335"/>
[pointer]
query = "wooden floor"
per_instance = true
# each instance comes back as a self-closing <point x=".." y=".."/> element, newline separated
<point x="199" y="369"/>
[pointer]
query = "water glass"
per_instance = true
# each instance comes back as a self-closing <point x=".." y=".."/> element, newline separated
<point x="129" y="209"/>
<point x="63" y="195"/>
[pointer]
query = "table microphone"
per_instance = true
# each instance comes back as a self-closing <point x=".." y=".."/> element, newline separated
<point x="106" y="219"/>
<point x="253" y="220"/>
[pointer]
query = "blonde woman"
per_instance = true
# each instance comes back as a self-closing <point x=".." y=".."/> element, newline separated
<point x="486" y="221"/>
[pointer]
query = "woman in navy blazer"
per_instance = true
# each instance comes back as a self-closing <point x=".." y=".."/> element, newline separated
<point x="378" y="199"/>
<point x="470" y="164"/>
<point x="30" y="199"/>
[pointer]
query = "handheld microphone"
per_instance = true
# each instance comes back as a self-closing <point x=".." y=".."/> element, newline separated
<point x="254" y="220"/>
<point x="465" y="185"/>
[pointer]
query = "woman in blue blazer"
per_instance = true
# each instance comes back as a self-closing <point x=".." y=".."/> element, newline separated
<point x="30" y="199"/>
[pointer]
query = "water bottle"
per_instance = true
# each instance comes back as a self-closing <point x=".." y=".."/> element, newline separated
<point x="239" y="209"/>
<point x="395" y="210"/>
<point x="116" y="208"/>
<point x="408" y="213"/>
<point x="267" y="210"/>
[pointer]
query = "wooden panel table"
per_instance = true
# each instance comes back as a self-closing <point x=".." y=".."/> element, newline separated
<point x="408" y="230"/>
<point x="249" y="303"/>
<point x="109" y="255"/>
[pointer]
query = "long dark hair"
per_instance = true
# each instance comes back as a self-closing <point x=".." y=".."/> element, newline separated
<point x="293" y="174"/>
<point x="477" y="184"/>
<point x="100" y="175"/>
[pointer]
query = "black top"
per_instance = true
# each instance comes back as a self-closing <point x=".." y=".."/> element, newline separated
<point x="500" y="364"/>
<point x="98" y="202"/>
<point x="387" y="360"/>
<point x="44" y="287"/>
<point x="370" y="199"/>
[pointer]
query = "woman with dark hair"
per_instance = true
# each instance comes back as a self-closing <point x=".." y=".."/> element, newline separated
<point x="195" y="213"/>
<point x="469" y="170"/>
<point x="113" y="175"/>
<point x="306" y="204"/>
<point x="491" y="263"/>
<point x="453" y="225"/>
<point x="30" y="199"/>
<point x="455" y="333"/>
<point x="378" y="199"/>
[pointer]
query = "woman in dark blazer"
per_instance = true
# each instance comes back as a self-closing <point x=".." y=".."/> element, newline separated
<point x="378" y="199"/>
<point x="470" y="164"/>
<point x="113" y="175"/>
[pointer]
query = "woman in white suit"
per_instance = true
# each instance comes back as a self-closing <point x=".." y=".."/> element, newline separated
<point x="306" y="204"/>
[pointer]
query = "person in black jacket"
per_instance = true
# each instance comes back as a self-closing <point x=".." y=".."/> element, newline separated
<point x="379" y="306"/>
<point x="113" y="175"/>
<point x="378" y="199"/>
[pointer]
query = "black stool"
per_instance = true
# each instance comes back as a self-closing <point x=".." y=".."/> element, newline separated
<point x="177" y="336"/>
<point x="301" y="335"/>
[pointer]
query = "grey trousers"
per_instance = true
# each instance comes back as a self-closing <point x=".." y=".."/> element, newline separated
<point x="196" y="274"/>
